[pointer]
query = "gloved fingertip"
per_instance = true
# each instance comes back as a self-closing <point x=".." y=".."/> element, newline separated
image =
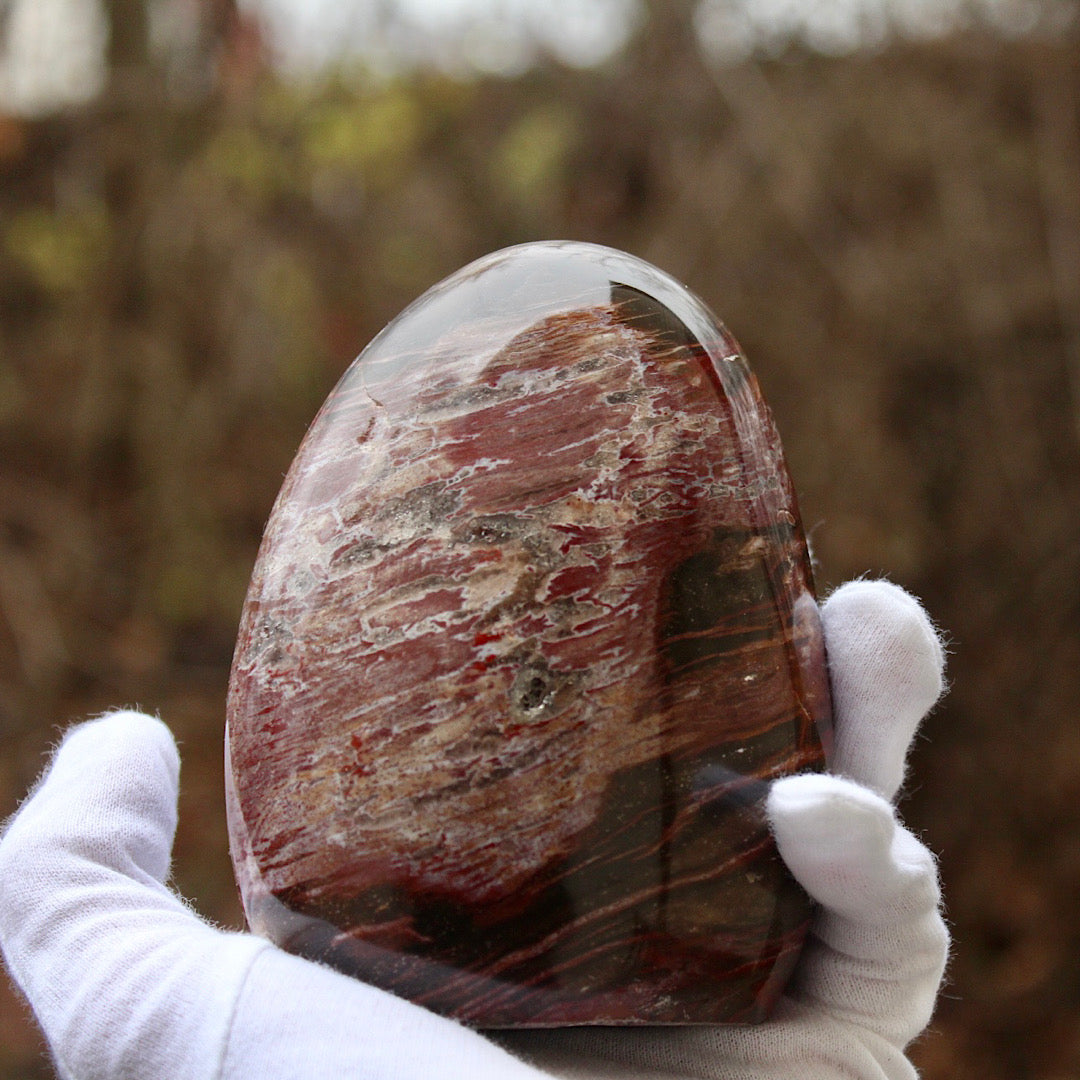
<point x="886" y="665"/>
<point x="824" y="825"/>
<point x="126" y="750"/>
<point x="814" y="799"/>
<point x="894" y="621"/>
<point x="124" y="733"/>
<point x="108" y="796"/>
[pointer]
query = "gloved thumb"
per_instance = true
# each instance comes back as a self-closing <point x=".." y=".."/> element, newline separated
<point x="123" y="978"/>
<point x="123" y="758"/>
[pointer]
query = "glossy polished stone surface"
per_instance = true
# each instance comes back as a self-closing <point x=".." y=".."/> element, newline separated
<point x="531" y="629"/>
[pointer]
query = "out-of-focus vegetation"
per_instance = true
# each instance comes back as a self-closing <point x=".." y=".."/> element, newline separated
<point x="187" y="266"/>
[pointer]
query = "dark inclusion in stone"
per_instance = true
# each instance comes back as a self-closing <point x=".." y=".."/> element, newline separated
<point x="531" y="630"/>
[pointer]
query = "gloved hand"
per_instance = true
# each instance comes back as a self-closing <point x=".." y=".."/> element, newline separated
<point x="127" y="982"/>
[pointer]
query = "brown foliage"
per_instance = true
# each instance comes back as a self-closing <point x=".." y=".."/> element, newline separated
<point x="895" y="238"/>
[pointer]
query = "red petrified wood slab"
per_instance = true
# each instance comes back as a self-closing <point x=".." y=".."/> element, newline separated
<point x="531" y="629"/>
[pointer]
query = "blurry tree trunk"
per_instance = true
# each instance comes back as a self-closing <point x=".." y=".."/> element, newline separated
<point x="668" y="35"/>
<point x="219" y="23"/>
<point x="129" y="40"/>
<point x="214" y="29"/>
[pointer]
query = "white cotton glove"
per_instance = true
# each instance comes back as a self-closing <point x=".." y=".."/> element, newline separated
<point x="127" y="982"/>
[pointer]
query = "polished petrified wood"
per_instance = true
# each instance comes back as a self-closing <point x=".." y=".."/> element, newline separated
<point x="531" y="630"/>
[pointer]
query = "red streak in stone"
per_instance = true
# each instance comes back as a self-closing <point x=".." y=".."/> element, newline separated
<point x="575" y="580"/>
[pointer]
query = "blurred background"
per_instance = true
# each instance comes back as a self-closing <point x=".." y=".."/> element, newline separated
<point x="208" y="207"/>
